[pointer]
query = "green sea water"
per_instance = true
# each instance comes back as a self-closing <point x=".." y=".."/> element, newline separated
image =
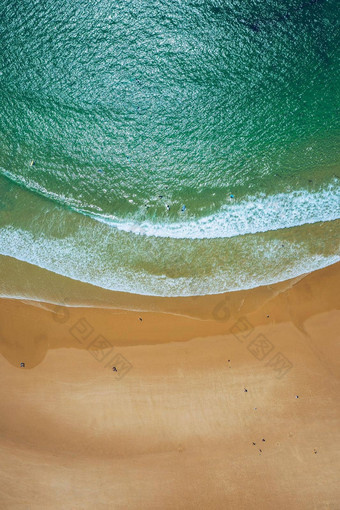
<point x="170" y="148"/>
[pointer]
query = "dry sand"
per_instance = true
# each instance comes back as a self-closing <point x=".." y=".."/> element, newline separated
<point x="173" y="427"/>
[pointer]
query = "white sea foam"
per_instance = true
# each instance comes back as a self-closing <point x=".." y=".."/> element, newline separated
<point x="253" y="215"/>
<point x="67" y="258"/>
<point x="100" y="255"/>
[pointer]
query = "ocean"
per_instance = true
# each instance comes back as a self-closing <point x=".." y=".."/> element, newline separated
<point x="169" y="148"/>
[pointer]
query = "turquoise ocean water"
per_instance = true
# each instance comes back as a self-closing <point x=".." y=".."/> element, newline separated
<point x="170" y="148"/>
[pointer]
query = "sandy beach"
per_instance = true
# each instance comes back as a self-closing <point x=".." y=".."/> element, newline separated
<point x="169" y="255"/>
<point x="222" y="402"/>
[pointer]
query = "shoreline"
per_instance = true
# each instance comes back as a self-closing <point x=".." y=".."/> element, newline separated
<point x="162" y="320"/>
<point x="66" y="291"/>
<point x="116" y="262"/>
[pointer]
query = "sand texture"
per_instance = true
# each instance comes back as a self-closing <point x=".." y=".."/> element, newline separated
<point x="219" y="402"/>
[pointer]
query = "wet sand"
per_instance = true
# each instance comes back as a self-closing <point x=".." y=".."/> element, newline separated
<point x="195" y="385"/>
